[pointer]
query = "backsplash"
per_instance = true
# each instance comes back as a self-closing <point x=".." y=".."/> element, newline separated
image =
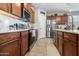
<point x="5" y="21"/>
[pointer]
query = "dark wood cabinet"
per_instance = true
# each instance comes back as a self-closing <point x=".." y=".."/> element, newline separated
<point x="67" y="43"/>
<point x="58" y="19"/>
<point x="60" y="42"/>
<point x="56" y="40"/>
<point x="70" y="44"/>
<point x="4" y="7"/>
<point x="17" y="9"/>
<point x="11" y="48"/>
<point x="69" y="48"/>
<point x="60" y="46"/>
<point x="61" y="19"/>
<point x="64" y="19"/>
<point x="24" y="42"/>
<point x="78" y="49"/>
<point x="78" y="45"/>
<point x="10" y="44"/>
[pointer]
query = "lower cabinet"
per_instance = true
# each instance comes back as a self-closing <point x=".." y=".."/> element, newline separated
<point x="13" y="44"/>
<point x="69" y="48"/>
<point x="56" y="41"/>
<point x="66" y="43"/>
<point x="24" y="42"/>
<point x="78" y="49"/>
<point x="60" y="46"/>
<point x="11" y="48"/>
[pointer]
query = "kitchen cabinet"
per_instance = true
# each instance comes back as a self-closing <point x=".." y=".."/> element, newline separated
<point x="24" y="42"/>
<point x="50" y="17"/>
<point x="69" y="48"/>
<point x="60" y="38"/>
<point x="11" y="48"/>
<point x="67" y="43"/>
<point x="64" y="19"/>
<point x="17" y="9"/>
<point x="56" y="41"/>
<point x="70" y="44"/>
<point x="58" y="20"/>
<point x="61" y="20"/>
<point x="78" y="45"/>
<point x="4" y="7"/>
<point x="10" y="44"/>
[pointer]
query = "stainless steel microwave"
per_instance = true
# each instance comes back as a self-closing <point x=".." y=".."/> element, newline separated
<point x="26" y="15"/>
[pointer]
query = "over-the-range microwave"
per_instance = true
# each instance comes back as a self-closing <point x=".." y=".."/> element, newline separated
<point x="26" y="15"/>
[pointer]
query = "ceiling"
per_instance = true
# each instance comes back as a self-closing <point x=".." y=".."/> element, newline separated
<point x="53" y="8"/>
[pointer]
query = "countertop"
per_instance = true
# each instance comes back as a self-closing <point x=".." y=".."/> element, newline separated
<point x="69" y="31"/>
<point x="9" y="31"/>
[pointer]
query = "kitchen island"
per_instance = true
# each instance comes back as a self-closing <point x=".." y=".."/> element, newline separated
<point x="67" y="42"/>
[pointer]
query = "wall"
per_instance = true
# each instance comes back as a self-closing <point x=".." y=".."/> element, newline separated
<point x="76" y="21"/>
<point x="40" y="23"/>
<point x="5" y="21"/>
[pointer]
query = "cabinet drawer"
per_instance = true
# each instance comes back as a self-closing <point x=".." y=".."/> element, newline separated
<point x="60" y="33"/>
<point x="70" y="36"/>
<point x="8" y="36"/>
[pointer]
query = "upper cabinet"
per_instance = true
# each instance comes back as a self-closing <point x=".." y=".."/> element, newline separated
<point x="4" y="7"/>
<point x="50" y="17"/>
<point x="61" y="19"/>
<point x="58" y="20"/>
<point x="64" y="19"/>
<point x="16" y="9"/>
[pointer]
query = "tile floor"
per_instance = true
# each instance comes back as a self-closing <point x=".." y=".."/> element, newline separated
<point x="43" y="47"/>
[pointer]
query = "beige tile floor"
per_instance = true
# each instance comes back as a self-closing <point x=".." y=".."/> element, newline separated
<point x="43" y="47"/>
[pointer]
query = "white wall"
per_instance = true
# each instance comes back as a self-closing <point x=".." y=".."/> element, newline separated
<point x="39" y="23"/>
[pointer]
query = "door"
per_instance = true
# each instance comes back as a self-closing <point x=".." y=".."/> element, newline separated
<point x="42" y="26"/>
<point x="60" y="46"/>
<point x="4" y="6"/>
<point x="11" y="48"/>
<point x="24" y="42"/>
<point x="69" y="48"/>
<point x="16" y="9"/>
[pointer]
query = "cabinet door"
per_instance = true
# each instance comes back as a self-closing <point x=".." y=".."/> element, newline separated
<point x="58" y="19"/>
<point x="78" y="49"/>
<point x="4" y="6"/>
<point x="56" y="41"/>
<point x="11" y="48"/>
<point x="16" y="9"/>
<point x="64" y="20"/>
<point x="24" y="42"/>
<point x="78" y="45"/>
<point x="69" y="48"/>
<point x="60" y="46"/>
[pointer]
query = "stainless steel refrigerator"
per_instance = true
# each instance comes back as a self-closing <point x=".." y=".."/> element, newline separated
<point x="50" y="28"/>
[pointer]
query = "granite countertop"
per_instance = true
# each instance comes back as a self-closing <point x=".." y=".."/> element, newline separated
<point x="69" y="31"/>
<point x="9" y="31"/>
<point x="19" y="30"/>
